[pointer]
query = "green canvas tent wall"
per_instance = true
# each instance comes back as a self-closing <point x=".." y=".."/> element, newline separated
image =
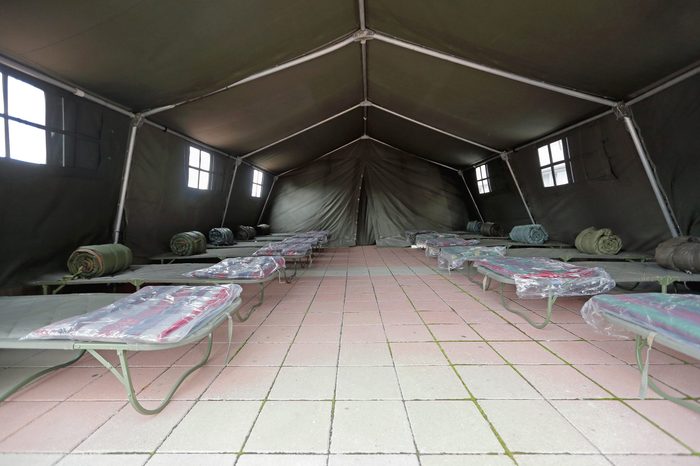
<point x="404" y="97"/>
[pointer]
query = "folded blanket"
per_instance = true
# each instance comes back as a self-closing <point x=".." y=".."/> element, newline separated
<point x="154" y="314"/>
<point x="188" y="243"/>
<point x="241" y="268"/>
<point x="530" y="234"/>
<point x="682" y="254"/>
<point x="99" y="259"/>
<point x="474" y="226"/>
<point x="490" y="229"/>
<point x="221" y="236"/>
<point x="601" y="241"/>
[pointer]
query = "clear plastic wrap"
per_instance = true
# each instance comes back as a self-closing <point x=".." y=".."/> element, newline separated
<point x="676" y="316"/>
<point x="421" y="238"/>
<point x="537" y="277"/>
<point x="155" y="314"/>
<point x="281" y="248"/>
<point x="433" y="246"/>
<point x="241" y="268"/>
<point x="454" y="257"/>
<point x="411" y="234"/>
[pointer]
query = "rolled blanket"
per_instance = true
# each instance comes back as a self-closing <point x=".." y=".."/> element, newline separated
<point x="245" y="233"/>
<point x="99" y="259"/>
<point x="188" y="243"/>
<point x="263" y="229"/>
<point x="602" y="241"/>
<point x="221" y="236"/>
<point x="530" y="234"/>
<point x="490" y="229"/>
<point x="474" y="226"/>
<point x="682" y="254"/>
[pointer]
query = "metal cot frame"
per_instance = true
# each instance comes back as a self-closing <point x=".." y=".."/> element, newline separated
<point x="122" y="373"/>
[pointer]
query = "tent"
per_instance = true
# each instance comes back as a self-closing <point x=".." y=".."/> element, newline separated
<point x="364" y="117"/>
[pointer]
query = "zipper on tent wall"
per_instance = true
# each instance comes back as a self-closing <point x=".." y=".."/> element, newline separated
<point x="136" y="123"/>
<point x="623" y="112"/>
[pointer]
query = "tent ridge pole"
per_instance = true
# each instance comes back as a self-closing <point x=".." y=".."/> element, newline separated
<point x="461" y="174"/>
<point x="338" y="44"/>
<point x="262" y="212"/>
<point x="441" y="131"/>
<point x="230" y="190"/>
<point x="347" y="110"/>
<point x="623" y="112"/>
<point x="495" y="71"/>
<point x="363" y="50"/>
<point x="136" y="123"/>
<point x="506" y="158"/>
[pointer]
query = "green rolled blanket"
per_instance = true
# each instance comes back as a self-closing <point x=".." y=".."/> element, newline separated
<point x="682" y="254"/>
<point x="530" y="234"/>
<point x="474" y="226"/>
<point x="99" y="259"/>
<point x="221" y="236"/>
<point x="188" y="243"/>
<point x="598" y="241"/>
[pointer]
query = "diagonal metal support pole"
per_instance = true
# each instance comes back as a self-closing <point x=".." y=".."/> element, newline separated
<point x="267" y="199"/>
<point x="506" y="158"/>
<point x="230" y="189"/>
<point x="136" y="123"/>
<point x="461" y="174"/>
<point x="623" y="112"/>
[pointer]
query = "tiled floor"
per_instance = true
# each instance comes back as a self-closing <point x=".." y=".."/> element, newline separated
<point x="370" y="357"/>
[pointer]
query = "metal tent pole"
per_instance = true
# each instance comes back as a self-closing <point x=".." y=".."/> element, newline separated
<point x="505" y="157"/>
<point x="136" y="122"/>
<point x="624" y="113"/>
<point x="410" y="154"/>
<point x="363" y="50"/>
<point x="230" y="189"/>
<point x="321" y="157"/>
<point x="262" y="212"/>
<point x="461" y="173"/>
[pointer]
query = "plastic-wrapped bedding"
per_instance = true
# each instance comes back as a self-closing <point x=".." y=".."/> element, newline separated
<point x="598" y="241"/>
<point x="537" y="277"/>
<point x="99" y="259"/>
<point x="421" y="238"/>
<point x="155" y="314"/>
<point x="241" y="268"/>
<point x="411" y="235"/>
<point x="474" y="226"/>
<point x="221" y="236"/>
<point x="454" y="257"/>
<point x="433" y="246"/>
<point x="188" y="243"/>
<point x="682" y="254"/>
<point x="530" y="234"/>
<point x="676" y="316"/>
<point x="284" y="249"/>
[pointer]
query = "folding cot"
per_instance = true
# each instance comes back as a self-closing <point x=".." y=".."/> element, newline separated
<point x="434" y="245"/>
<point x="155" y="318"/>
<point x="509" y="243"/>
<point x="456" y="257"/>
<point x="212" y="254"/>
<point x="671" y="320"/>
<point x="539" y="277"/>
<point x="295" y="253"/>
<point x="642" y="272"/>
<point x="253" y="271"/>
<point x="573" y="254"/>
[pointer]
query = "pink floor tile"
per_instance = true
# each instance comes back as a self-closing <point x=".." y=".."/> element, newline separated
<point x="453" y="332"/>
<point x="241" y="383"/>
<point x="407" y="333"/>
<point x="362" y="333"/>
<point x="419" y="353"/>
<point x="361" y="318"/>
<point x="108" y="388"/>
<point x="587" y="332"/>
<point x="608" y="425"/>
<point x="684" y="378"/>
<point x="480" y="316"/>
<point x="401" y="318"/>
<point x="471" y="353"/>
<point x="58" y="385"/>
<point x="551" y="332"/>
<point x="318" y="334"/>
<point x="323" y="318"/>
<point x="622" y="380"/>
<point x="312" y="354"/>
<point x="556" y="382"/>
<point x="365" y="354"/>
<point x="190" y="389"/>
<point x="260" y="354"/>
<point x="17" y="414"/>
<point x="499" y="332"/>
<point x="274" y="334"/>
<point x="580" y="352"/>
<point x="62" y="428"/>
<point x="496" y="383"/>
<point x="653" y="460"/>
<point x="440" y="317"/>
<point x="677" y="420"/>
<point x="624" y="350"/>
<point x="525" y="352"/>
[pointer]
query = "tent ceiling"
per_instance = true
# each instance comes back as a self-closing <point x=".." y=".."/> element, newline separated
<point x="603" y="47"/>
<point x="144" y="54"/>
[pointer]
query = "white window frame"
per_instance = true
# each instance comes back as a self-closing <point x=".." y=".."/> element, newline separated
<point x="196" y="168"/>
<point x="256" y="189"/>
<point x="483" y="180"/>
<point x="550" y="165"/>
<point x="7" y="121"/>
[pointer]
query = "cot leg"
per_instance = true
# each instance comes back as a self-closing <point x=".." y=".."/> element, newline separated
<point x="290" y="278"/>
<point x="640" y="344"/>
<point x="244" y="317"/>
<point x="470" y="274"/>
<point x="486" y="283"/>
<point x="4" y="395"/>
<point x="540" y="325"/>
<point x="665" y="282"/>
<point x="44" y="289"/>
<point x="124" y="378"/>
